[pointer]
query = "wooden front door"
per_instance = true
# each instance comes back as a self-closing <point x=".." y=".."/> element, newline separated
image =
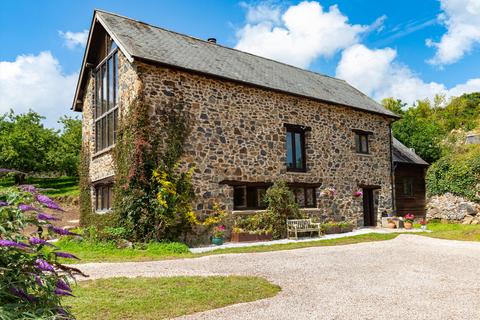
<point x="369" y="216"/>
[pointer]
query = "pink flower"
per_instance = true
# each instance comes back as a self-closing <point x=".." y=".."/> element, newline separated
<point x="358" y="194"/>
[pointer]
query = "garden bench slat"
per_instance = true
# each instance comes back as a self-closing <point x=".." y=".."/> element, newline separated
<point x="302" y="225"/>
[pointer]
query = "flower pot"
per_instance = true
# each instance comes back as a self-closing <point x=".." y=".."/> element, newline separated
<point x="408" y="225"/>
<point x="391" y="225"/>
<point x="346" y="229"/>
<point x="217" y="241"/>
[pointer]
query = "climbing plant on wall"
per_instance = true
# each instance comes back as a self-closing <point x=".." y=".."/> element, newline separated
<point x="152" y="193"/>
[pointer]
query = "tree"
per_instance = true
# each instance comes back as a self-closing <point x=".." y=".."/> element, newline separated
<point x="25" y="143"/>
<point x="66" y="155"/>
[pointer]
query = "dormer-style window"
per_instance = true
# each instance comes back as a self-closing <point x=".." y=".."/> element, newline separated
<point x="106" y="101"/>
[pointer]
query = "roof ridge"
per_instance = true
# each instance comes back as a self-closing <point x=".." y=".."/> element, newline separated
<point x="217" y="44"/>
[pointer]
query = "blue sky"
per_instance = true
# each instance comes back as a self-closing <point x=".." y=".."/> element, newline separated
<point x="381" y="47"/>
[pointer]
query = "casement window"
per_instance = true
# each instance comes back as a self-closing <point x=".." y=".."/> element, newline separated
<point x="295" y="147"/>
<point x="407" y="187"/>
<point x="361" y="141"/>
<point x="106" y="101"/>
<point x="246" y="197"/>
<point x="103" y="197"/>
<point x="305" y="196"/>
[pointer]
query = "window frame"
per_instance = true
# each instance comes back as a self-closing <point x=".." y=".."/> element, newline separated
<point x="358" y="135"/>
<point x="255" y="188"/>
<point x="106" y="116"/>
<point x="301" y="130"/>
<point x="103" y="197"/>
<point x="405" y="182"/>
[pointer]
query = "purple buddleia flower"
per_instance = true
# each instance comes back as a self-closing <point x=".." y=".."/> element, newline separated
<point x="62" y="285"/>
<point x="26" y="207"/>
<point x="28" y="188"/>
<point x="3" y="170"/>
<point x="38" y="280"/>
<point x="3" y="203"/>
<point x="46" y="217"/>
<point x="63" y="232"/>
<point x="44" y="265"/>
<point x="38" y="241"/>
<point x="66" y="255"/>
<point x="22" y="294"/>
<point x="59" y="292"/>
<point x="10" y="243"/>
<point x="49" y="203"/>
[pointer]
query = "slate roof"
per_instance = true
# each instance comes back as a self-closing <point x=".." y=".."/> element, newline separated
<point x="154" y="44"/>
<point x="403" y="154"/>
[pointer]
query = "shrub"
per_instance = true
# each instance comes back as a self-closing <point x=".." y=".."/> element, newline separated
<point x="32" y="281"/>
<point x="281" y="205"/>
<point x="457" y="173"/>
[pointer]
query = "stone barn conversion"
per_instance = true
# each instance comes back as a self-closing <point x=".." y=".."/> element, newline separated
<point x="256" y="121"/>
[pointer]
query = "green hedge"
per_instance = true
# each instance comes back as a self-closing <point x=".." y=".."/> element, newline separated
<point x="457" y="173"/>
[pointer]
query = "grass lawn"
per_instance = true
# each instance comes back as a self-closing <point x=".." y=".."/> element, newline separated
<point x="161" y="298"/>
<point x="107" y="252"/>
<point x="452" y="231"/>
<point x="56" y="187"/>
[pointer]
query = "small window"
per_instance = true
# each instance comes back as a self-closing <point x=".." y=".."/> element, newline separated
<point x="295" y="148"/>
<point x="407" y="187"/>
<point x="247" y="197"/>
<point x="305" y="197"/>
<point x="103" y="197"/>
<point x="361" y="142"/>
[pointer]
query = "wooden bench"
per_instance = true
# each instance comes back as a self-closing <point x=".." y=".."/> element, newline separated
<point x="302" y="225"/>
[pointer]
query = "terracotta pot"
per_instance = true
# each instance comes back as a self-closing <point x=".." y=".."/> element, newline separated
<point x="408" y="225"/>
<point x="391" y="225"/>
<point x="332" y="230"/>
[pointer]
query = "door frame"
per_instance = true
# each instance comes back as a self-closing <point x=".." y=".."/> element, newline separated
<point x="369" y="208"/>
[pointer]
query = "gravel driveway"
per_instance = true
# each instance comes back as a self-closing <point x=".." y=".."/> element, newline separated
<point x="410" y="277"/>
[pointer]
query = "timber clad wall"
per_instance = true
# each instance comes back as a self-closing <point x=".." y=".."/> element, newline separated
<point x="238" y="134"/>
<point x="414" y="201"/>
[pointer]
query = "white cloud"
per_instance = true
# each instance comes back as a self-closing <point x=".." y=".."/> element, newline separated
<point x="299" y="35"/>
<point x="462" y="20"/>
<point x="376" y="73"/>
<point x="74" y="39"/>
<point x="36" y="82"/>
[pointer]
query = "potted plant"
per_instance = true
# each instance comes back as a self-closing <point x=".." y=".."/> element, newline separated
<point x="218" y="234"/>
<point x="423" y="223"/>
<point x="330" y="228"/>
<point x="391" y="224"/>
<point x="345" y="227"/>
<point x="408" y="221"/>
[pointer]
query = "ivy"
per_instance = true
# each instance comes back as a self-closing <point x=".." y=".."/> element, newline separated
<point x="152" y="194"/>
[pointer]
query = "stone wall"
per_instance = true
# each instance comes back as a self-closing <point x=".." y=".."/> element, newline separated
<point x="451" y="208"/>
<point x="101" y="165"/>
<point x="238" y="134"/>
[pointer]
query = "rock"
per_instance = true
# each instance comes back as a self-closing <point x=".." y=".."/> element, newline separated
<point x="467" y="220"/>
<point x="124" y="244"/>
<point x="475" y="221"/>
<point x="452" y="208"/>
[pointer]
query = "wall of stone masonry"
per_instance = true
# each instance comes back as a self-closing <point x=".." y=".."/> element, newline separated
<point x="238" y="134"/>
<point x="101" y="165"/>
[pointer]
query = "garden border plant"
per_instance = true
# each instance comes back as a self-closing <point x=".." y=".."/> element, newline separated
<point x="32" y="279"/>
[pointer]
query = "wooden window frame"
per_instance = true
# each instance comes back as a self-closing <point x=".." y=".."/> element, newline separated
<point x="358" y="135"/>
<point x="106" y="117"/>
<point x="409" y="181"/>
<point x="103" y="197"/>
<point x="296" y="129"/>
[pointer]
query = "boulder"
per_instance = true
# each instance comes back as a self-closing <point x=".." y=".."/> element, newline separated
<point x="452" y="208"/>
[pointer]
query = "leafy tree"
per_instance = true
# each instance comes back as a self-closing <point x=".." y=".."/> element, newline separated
<point x="65" y="156"/>
<point x="394" y="105"/>
<point x="25" y="143"/>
